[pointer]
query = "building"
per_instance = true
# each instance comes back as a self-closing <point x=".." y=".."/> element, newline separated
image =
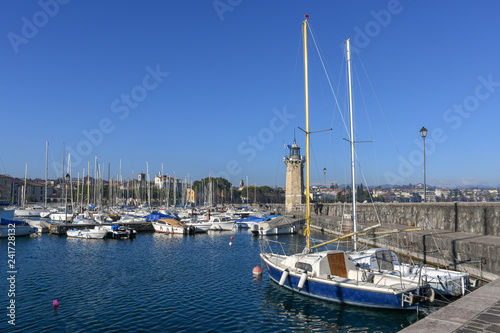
<point x="294" y="193"/>
<point x="5" y="188"/>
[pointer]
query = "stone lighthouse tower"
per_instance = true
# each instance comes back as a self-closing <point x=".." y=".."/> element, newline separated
<point x="294" y="194"/>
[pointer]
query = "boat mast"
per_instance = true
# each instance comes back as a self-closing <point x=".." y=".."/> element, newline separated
<point x="25" y="185"/>
<point x="46" y="169"/>
<point x="353" y="190"/>
<point x="306" y="86"/>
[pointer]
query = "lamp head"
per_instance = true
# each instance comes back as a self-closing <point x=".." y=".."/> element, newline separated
<point x="423" y="132"/>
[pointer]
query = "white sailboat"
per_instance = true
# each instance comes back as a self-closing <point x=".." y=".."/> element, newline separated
<point x="442" y="281"/>
<point x="332" y="274"/>
<point x="25" y="211"/>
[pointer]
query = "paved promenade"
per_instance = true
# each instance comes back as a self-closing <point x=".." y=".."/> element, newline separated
<point x="478" y="311"/>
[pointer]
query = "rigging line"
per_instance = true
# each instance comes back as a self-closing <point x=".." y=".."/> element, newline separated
<point x="327" y="77"/>
<point x="378" y="103"/>
<point x="278" y="166"/>
<point x="314" y="158"/>
<point x="368" y="117"/>
<point x="368" y="188"/>
<point x="3" y="166"/>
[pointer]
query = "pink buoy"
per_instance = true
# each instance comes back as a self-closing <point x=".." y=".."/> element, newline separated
<point x="55" y="303"/>
<point x="257" y="271"/>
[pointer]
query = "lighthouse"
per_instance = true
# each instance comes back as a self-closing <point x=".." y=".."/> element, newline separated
<point x="294" y="194"/>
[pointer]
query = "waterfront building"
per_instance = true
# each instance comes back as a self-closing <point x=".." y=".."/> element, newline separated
<point x="5" y="188"/>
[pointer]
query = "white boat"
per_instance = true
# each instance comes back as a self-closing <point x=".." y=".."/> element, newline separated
<point x="280" y="225"/>
<point x="15" y="228"/>
<point x="199" y="225"/>
<point x="120" y="232"/>
<point x="81" y="219"/>
<point x="98" y="232"/>
<point x="131" y="219"/>
<point x="61" y="216"/>
<point x="28" y="211"/>
<point x="41" y="226"/>
<point x="444" y="282"/>
<point x="221" y="223"/>
<point x="172" y="226"/>
<point x="332" y="275"/>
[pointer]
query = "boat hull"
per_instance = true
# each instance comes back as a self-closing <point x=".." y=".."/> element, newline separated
<point x="339" y="292"/>
<point x="169" y="229"/>
<point x="19" y="230"/>
<point x="87" y="233"/>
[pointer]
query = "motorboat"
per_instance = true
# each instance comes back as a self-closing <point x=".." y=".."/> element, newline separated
<point x="221" y="223"/>
<point x="278" y="226"/>
<point x="172" y="226"/>
<point x="98" y="232"/>
<point x="15" y="228"/>
<point x="120" y="232"/>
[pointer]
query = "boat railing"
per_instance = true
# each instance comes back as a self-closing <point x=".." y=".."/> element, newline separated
<point x="272" y="246"/>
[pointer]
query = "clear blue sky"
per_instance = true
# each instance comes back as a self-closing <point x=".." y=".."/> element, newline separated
<point x="216" y="87"/>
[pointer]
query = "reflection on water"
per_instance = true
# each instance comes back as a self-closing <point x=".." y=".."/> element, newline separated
<point x="169" y="283"/>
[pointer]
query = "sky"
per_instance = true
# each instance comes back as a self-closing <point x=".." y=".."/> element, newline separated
<point x="216" y="88"/>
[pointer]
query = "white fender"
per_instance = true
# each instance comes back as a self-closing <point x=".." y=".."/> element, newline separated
<point x="283" y="278"/>
<point x="302" y="281"/>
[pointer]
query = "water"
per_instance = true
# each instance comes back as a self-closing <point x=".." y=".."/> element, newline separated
<point x="166" y="283"/>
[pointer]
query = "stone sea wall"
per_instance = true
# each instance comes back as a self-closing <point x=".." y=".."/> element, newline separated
<point x="475" y="218"/>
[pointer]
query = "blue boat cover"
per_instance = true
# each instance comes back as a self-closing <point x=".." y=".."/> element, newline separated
<point x="155" y="216"/>
<point x="6" y="221"/>
<point x="254" y="219"/>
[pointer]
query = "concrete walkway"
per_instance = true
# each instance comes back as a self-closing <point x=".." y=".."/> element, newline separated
<point x="478" y="311"/>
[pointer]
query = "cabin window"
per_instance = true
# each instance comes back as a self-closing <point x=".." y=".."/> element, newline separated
<point x="305" y="266"/>
<point x="384" y="260"/>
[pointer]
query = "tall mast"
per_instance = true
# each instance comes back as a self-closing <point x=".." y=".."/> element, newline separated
<point x="25" y="184"/>
<point x="353" y="176"/>
<point x="88" y="184"/>
<point x="306" y="86"/>
<point x="46" y="170"/>
<point x="147" y="184"/>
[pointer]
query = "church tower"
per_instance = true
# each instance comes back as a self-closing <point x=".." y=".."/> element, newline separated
<point x="294" y="194"/>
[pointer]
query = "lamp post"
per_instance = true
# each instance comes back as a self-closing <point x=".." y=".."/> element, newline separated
<point x="324" y="178"/>
<point x="423" y="133"/>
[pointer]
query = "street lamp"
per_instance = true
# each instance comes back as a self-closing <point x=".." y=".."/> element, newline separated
<point x="324" y="179"/>
<point x="423" y="133"/>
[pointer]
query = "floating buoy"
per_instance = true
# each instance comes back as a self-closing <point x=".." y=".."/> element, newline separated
<point x="55" y="303"/>
<point x="230" y="243"/>
<point x="283" y="278"/>
<point x="257" y="271"/>
<point x="302" y="281"/>
<point x="232" y="237"/>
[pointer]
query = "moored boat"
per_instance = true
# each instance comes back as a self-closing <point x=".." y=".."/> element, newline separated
<point x="333" y="275"/>
<point x="278" y="226"/>
<point x="172" y="226"/>
<point x="221" y="223"/>
<point x="444" y="282"/>
<point x="98" y="232"/>
<point x="15" y="228"/>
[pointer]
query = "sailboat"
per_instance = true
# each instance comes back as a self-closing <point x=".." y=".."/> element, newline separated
<point x="333" y="275"/>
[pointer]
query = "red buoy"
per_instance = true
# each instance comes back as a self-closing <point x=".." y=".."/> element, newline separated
<point x="257" y="271"/>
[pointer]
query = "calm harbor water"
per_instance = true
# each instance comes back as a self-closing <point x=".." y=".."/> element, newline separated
<point x="166" y="283"/>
